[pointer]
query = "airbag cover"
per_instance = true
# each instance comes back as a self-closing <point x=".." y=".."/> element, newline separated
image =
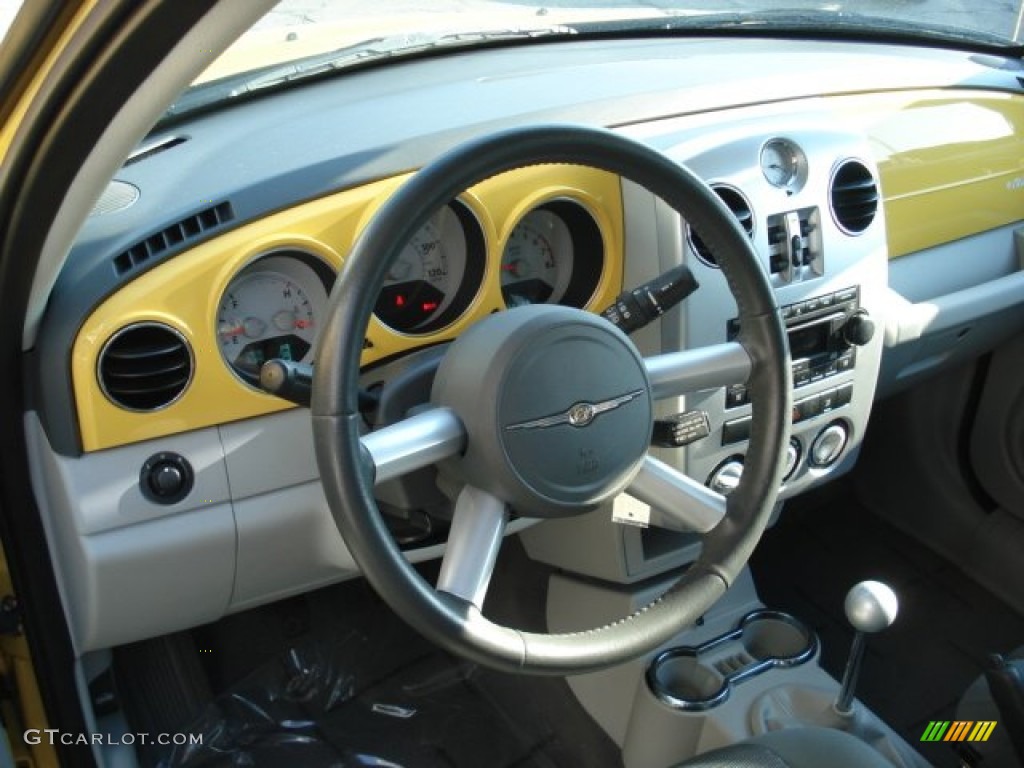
<point x="556" y="404"/>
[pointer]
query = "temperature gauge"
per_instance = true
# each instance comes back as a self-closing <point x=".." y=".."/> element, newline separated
<point x="270" y="310"/>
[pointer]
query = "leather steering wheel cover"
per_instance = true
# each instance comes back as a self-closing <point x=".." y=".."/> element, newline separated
<point x="347" y="479"/>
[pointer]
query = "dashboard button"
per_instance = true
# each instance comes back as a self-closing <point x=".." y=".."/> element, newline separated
<point x="844" y="394"/>
<point x="806" y="408"/>
<point x="736" y="431"/>
<point x="736" y="396"/>
<point x="847" y="294"/>
<point x="829" y="400"/>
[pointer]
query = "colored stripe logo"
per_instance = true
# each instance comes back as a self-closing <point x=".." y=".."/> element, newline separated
<point x="958" y="730"/>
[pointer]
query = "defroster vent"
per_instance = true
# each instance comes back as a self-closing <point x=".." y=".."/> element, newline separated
<point x="176" y="234"/>
<point x="145" y="367"/>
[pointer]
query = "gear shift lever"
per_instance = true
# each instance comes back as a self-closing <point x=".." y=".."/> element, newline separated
<point x="870" y="606"/>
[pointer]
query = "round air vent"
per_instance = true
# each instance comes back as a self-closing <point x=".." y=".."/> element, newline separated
<point x="853" y="197"/>
<point x="740" y="208"/>
<point x="145" y="367"/>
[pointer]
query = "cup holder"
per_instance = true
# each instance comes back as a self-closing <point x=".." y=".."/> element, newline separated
<point x="696" y="678"/>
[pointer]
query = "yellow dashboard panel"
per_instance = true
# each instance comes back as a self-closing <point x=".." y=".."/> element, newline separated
<point x="184" y="292"/>
<point x="951" y="162"/>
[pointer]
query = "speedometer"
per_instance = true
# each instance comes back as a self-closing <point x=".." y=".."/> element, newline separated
<point x="436" y="275"/>
<point x="271" y="309"/>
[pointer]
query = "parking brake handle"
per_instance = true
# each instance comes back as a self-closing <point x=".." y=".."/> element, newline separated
<point x="634" y="309"/>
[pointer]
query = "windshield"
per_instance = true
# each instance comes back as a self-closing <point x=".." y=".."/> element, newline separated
<point x="298" y="29"/>
<point x="306" y="38"/>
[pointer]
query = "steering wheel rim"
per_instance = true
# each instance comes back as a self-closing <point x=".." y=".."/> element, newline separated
<point x="347" y="469"/>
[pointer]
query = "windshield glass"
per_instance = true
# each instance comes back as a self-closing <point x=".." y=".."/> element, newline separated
<point x="303" y="38"/>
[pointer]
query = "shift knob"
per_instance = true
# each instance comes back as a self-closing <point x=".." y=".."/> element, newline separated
<point x="871" y="606"/>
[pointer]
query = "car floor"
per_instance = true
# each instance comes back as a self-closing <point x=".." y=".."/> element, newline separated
<point x="917" y="670"/>
<point x="335" y="678"/>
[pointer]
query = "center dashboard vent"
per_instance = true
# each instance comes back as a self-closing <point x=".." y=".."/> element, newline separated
<point x="853" y="197"/>
<point x="740" y="208"/>
<point x="145" y="367"/>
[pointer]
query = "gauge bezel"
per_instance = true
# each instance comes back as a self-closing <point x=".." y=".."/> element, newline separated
<point x="798" y="177"/>
<point x="471" y="281"/>
<point x="298" y="256"/>
<point x="588" y="251"/>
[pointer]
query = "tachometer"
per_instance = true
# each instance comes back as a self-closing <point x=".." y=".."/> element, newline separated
<point x="271" y="309"/>
<point x="436" y="275"/>
<point x="554" y="255"/>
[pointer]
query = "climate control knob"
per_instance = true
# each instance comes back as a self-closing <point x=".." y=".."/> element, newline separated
<point x="828" y="445"/>
<point x="726" y="477"/>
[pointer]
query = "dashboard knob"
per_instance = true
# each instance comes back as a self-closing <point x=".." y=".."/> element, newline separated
<point x="792" y="458"/>
<point x="859" y="329"/>
<point x="828" y="445"/>
<point x="725" y="479"/>
<point x="166" y="478"/>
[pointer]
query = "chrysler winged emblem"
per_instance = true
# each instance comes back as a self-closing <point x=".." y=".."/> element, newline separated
<point x="577" y="415"/>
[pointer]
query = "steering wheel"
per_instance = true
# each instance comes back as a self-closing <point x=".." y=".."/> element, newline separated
<point x="547" y="410"/>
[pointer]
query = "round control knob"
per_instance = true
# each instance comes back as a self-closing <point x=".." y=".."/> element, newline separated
<point x="725" y="479"/>
<point x="859" y="329"/>
<point x="871" y="606"/>
<point x="792" y="458"/>
<point x="166" y="478"/>
<point x="828" y="445"/>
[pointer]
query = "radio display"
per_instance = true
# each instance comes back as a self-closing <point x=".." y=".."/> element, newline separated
<point x="808" y="340"/>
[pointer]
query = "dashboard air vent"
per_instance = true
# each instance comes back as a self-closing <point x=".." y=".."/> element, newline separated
<point x="740" y="208"/>
<point x="180" y="232"/>
<point x="145" y="367"/>
<point x="853" y="197"/>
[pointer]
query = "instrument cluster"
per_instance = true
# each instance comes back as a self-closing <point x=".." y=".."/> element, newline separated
<point x="554" y="253"/>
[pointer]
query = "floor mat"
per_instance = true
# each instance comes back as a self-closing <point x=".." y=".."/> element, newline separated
<point x="915" y="671"/>
<point x="336" y="679"/>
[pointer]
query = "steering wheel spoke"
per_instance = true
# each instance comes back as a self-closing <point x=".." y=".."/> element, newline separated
<point x="677" y="373"/>
<point x="681" y="499"/>
<point x="473" y="543"/>
<point x="414" y="443"/>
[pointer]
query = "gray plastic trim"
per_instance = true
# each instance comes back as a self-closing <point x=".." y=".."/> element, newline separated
<point x="126" y="568"/>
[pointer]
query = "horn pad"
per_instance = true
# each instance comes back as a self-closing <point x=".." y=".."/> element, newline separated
<point x="557" y="408"/>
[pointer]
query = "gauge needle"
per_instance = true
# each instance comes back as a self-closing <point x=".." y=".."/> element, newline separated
<point x="230" y="331"/>
<point x="512" y="267"/>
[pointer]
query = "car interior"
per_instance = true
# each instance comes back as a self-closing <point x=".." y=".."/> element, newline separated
<point x="599" y="390"/>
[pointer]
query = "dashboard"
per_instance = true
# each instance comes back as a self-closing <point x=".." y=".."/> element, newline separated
<point x="866" y="176"/>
